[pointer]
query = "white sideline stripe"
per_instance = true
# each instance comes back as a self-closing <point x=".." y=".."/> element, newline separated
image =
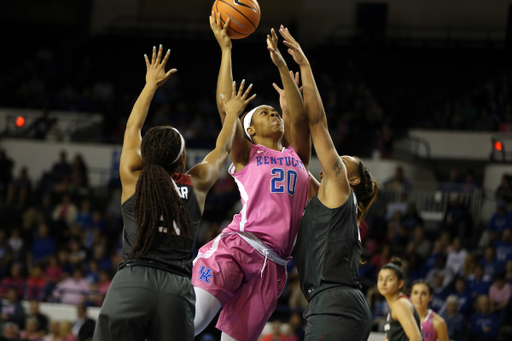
<point x="245" y="197"/>
<point x="213" y="248"/>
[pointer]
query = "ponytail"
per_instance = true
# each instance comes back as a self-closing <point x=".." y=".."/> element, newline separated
<point x="366" y="191"/>
<point x="156" y="201"/>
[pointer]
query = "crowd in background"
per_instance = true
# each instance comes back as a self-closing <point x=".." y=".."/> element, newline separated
<point x="61" y="242"/>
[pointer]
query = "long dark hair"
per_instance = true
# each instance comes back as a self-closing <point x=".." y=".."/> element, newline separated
<point x="156" y="198"/>
<point x="366" y="191"/>
<point x="425" y="283"/>
<point x="396" y="266"/>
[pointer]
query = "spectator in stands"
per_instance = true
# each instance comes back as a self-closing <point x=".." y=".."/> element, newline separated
<point x="397" y="206"/>
<point x="5" y="255"/>
<point x="83" y="327"/>
<point x="65" y="332"/>
<point x="17" y="245"/>
<point x="276" y="334"/>
<point x="53" y="271"/>
<point x="422" y="245"/>
<point x="61" y="169"/>
<point x="79" y="175"/>
<point x="398" y="182"/>
<point x="456" y="220"/>
<point x="499" y="295"/>
<point x="491" y="264"/>
<point x="508" y="272"/>
<point x="411" y="219"/>
<point x="11" y="331"/>
<point x="42" y="319"/>
<point x="504" y="190"/>
<point x="6" y="167"/>
<point x="63" y="260"/>
<point x="465" y="300"/>
<point x="469" y="266"/>
<point x="398" y="236"/>
<point x="382" y="258"/>
<point x="439" y="293"/>
<point x="470" y="185"/>
<point x="84" y="215"/>
<point x="72" y="290"/>
<point x="76" y="253"/>
<point x="13" y="311"/>
<point x="296" y="323"/>
<point x="455" y="321"/>
<point x="65" y="212"/>
<point x="452" y="184"/>
<point x="43" y="245"/>
<point x="14" y="280"/>
<point x="456" y="257"/>
<point x="296" y="300"/>
<point x="485" y="324"/>
<point x="31" y="331"/>
<point x="500" y="221"/>
<point x="478" y="283"/>
<point x="19" y="191"/>
<point x="100" y="256"/>
<point x="36" y="283"/>
<point x="54" y="334"/>
<point x="100" y="288"/>
<point x="503" y="247"/>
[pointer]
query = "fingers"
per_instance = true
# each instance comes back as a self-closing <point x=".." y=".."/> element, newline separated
<point x="278" y="89"/>
<point x="223" y="99"/>
<point x="170" y="72"/>
<point x="147" y="61"/>
<point x="218" y="18"/>
<point x="274" y="36"/>
<point x="153" y="57"/>
<point x="166" y="57"/>
<point x="226" y="25"/>
<point x="297" y="78"/>
<point x="233" y="90"/>
<point x="249" y="100"/>
<point x="246" y="93"/>
<point x="159" y="56"/>
<point x="241" y="89"/>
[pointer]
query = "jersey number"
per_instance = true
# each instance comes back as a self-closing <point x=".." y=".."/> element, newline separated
<point x="277" y="185"/>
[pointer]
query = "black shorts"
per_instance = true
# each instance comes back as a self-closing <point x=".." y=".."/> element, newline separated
<point x="338" y="314"/>
<point x="144" y="303"/>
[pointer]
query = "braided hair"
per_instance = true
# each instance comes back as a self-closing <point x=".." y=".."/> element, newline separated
<point x="366" y="191"/>
<point x="156" y="198"/>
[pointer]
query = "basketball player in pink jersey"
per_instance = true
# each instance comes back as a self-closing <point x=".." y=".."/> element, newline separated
<point x="243" y="269"/>
<point x="433" y="325"/>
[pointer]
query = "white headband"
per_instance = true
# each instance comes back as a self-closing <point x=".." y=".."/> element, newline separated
<point x="182" y="145"/>
<point x="248" y="119"/>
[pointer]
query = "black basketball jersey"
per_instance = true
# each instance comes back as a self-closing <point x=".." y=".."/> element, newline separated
<point x="394" y="330"/>
<point x="168" y="254"/>
<point x="328" y="247"/>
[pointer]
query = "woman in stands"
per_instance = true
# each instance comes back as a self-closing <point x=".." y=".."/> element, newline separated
<point x="433" y="326"/>
<point x="403" y="322"/>
<point x="151" y="296"/>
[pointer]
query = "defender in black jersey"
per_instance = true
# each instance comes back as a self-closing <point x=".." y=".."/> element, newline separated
<point x="328" y="245"/>
<point x="403" y="322"/>
<point x="151" y="296"/>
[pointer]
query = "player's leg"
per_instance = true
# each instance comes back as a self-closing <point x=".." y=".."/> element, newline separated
<point x="207" y="306"/>
<point x="226" y="337"/>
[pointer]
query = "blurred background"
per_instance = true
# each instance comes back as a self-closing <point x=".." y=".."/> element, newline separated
<point x="420" y="90"/>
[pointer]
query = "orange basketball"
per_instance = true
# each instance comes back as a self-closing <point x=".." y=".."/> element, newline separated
<point x="245" y="16"/>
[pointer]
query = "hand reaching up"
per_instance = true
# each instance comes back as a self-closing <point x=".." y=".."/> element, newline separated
<point x="236" y="105"/>
<point x="294" y="48"/>
<point x="155" y="70"/>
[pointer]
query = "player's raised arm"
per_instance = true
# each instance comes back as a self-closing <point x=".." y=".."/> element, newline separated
<point x="334" y="170"/>
<point x="205" y="174"/>
<point x="299" y="130"/>
<point x="240" y="150"/>
<point x="131" y="161"/>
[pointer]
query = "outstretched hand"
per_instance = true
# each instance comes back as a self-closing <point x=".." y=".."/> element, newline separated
<point x="276" y="56"/>
<point x="238" y="101"/>
<point x="220" y="32"/>
<point x="155" y="71"/>
<point x="282" y="97"/>
<point x="294" y="48"/>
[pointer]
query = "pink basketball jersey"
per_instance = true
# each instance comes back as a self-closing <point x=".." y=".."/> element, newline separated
<point x="429" y="332"/>
<point x="273" y="188"/>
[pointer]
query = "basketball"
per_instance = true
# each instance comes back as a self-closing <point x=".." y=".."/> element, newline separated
<point x="244" y="14"/>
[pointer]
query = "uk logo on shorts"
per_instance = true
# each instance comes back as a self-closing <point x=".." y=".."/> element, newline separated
<point x="206" y="274"/>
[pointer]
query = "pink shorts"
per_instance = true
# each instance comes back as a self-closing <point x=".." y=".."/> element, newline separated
<point x="230" y="269"/>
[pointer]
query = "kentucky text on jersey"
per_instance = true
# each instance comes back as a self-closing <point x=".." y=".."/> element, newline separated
<point x="280" y="161"/>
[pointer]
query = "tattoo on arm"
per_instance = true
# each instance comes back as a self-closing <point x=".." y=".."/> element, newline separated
<point x="337" y="167"/>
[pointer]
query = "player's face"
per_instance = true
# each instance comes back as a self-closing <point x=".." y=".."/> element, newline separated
<point x="420" y="296"/>
<point x="387" y="282"/>
<point x="267" y="121"/>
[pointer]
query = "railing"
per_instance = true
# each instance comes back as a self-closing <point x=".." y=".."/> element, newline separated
<point x="432" y="204"/>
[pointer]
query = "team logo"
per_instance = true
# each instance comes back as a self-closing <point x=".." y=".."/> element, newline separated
<point x="238" y="3"/>
<point x="206" y="274"/>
